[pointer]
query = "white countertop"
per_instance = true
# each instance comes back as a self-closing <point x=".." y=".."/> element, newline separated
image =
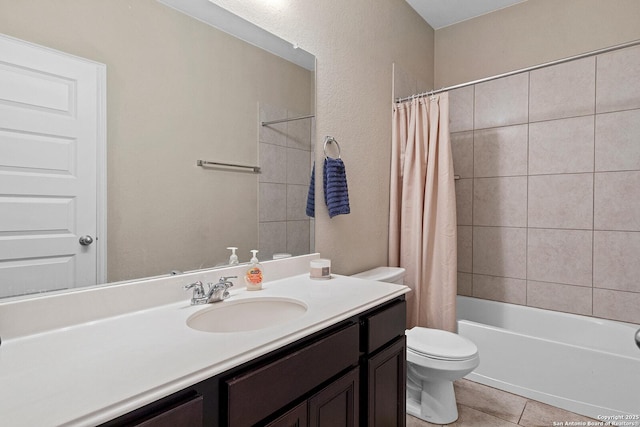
<point x="92" y="372"/>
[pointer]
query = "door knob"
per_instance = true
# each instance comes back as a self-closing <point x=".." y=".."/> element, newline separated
<point x="86" y="240"/>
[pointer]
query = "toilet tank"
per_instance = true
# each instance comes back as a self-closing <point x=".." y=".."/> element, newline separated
<point x="383" y="274"/>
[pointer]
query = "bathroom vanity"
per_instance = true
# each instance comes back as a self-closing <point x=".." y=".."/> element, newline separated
<point x="340" y="362"/>
<point x="350" y="372"/>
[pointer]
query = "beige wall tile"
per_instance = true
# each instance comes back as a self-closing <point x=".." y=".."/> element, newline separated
<point x="273" y="163"/>
<point x="500" y="251"/>
<point x="617" y="136"/>
<point x="298" y="237"/>
<point x="561" y="146"/>
<point x="273" y="202"/>
<point x="559" y="256"/>
<point x="565" y="201"/>
<point x="299" y="131"/>
<point x="559" y="297"/>
<point x="503" y="289"/>
<point x="298" y="170"/>
<point x="561" y="201"/>
<point x="500" y="151"/>
<point x="616" y="201"/>
<point x="464" y="201"/>
<point x="618" y="86"/>
<point x="564" y="90"/>
<point x="615" y="260"/>
<point x="465" y="250"/>
<point x="273" y="239"/>
<point x="500" y="201"/>
<point x="616" y="305"/>
<point x="461" y="109"/>
<point x="276" y="133"/>
<point x="502" y="102"/>
<point x="297" y="202"/>
<point x="462" y="152"/>
<point x="465" y="285"/>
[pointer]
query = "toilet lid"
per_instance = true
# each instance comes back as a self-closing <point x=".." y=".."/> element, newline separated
<point x="440" y="344"/>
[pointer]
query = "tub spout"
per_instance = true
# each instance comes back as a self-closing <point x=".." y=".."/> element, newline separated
<point x="638" y="338"/>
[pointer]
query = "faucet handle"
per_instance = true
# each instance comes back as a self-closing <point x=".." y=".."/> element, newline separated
<point x="199" y="296"/>
<point x="224" y="280"/>
<point x="199" y="287"/>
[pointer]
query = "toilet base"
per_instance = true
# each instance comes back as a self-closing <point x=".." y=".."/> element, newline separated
<point x="434" y="403"/>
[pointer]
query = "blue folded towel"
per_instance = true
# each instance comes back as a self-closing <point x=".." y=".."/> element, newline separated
<point x="334" y="181"/>
<point x="311" y="196"/>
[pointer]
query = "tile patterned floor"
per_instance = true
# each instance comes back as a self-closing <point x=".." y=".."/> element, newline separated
<point x="483" y="406"/>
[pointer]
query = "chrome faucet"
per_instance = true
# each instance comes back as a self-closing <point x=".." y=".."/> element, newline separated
<point x="217" y="292"/>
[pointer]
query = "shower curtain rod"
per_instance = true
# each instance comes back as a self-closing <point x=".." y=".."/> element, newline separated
<point x="522" y="70"/>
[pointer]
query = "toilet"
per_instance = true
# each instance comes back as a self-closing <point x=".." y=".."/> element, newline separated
<point x="435" y="359"/>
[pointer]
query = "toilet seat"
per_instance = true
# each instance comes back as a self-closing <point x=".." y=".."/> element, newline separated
<point x="439" y="344"/>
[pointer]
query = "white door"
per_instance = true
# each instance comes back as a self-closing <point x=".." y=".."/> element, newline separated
<point x="51" y="135"/>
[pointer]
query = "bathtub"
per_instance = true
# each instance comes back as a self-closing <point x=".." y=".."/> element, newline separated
<point x="582" y="364"/>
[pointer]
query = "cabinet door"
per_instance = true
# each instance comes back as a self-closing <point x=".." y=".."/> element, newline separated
<point x="297" y="417"/>
<point x="386" y="388"/>
<point x="337" y="404"/>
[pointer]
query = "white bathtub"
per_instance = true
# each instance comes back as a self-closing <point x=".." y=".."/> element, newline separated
<point x="585" y="365"/>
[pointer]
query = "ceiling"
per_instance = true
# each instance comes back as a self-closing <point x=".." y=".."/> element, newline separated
<point x="441" y="13"/>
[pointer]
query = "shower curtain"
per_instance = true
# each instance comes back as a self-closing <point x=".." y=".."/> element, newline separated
<point x="422" y="226"/>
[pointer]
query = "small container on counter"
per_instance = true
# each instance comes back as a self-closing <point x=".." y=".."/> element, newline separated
<point x="320" y="269"/>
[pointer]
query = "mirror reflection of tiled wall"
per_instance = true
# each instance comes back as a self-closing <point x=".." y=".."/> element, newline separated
<point x="286" y="159"/>
<point x="548" y="202"/>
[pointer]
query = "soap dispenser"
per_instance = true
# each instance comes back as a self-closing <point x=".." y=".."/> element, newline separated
<point x="253" y="277"/>
<point x="233" y="259"/>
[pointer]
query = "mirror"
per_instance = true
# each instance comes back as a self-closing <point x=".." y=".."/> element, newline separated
<point x="179" y="90"/>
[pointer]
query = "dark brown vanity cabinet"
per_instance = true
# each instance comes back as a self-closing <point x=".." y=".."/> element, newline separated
<point x="350" y="374"/>
<point x="255" y="395"/>
<point x="384" y="368"/>
<point x="385" y="386"/>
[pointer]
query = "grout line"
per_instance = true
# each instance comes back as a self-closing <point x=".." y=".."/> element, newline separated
<point x="524" y="408"/>
<point x="593" y="193"/>
<point x="526" y="237"/>
<point x="473" y="174"/>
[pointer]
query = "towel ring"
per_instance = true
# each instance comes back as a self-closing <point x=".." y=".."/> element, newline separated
<point x="329" y="140"/>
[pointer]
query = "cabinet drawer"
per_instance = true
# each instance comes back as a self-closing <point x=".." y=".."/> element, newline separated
<point x="188" y="414"/>
<point x="256" y="394"/>
<point x="383" y="326"/>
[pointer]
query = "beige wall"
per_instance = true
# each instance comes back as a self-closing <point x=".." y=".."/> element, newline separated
<point x="177" y="91"/>
<point x="531" y="33"/>
<point x="355" y="43"/>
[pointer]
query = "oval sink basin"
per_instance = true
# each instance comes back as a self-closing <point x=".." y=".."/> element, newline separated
<point x="246" y="314"/>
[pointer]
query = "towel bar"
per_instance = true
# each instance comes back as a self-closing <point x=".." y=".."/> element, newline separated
<point x="255" y="169"/>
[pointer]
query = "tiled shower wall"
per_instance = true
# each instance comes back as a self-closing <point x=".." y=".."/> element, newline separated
<point x="286" y="156"/>
<point x="548" y="202"/>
